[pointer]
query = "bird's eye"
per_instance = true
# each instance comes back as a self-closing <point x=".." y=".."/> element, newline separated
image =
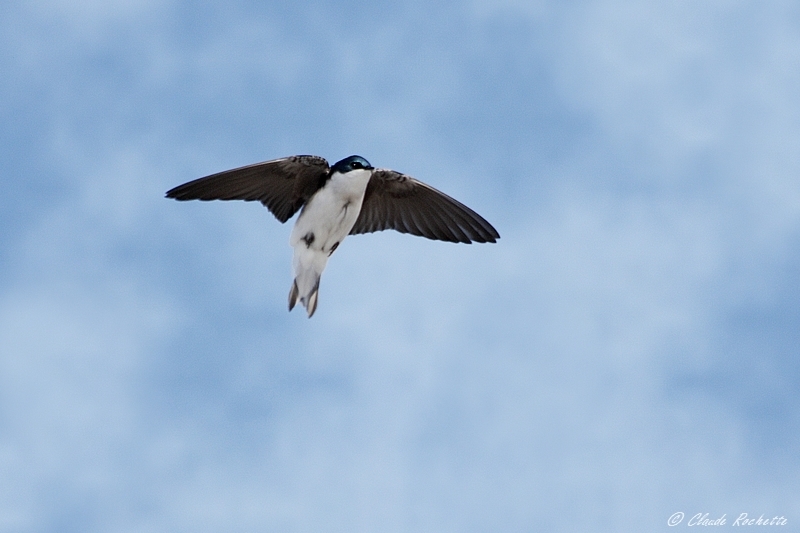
<point x="357" y="164"/>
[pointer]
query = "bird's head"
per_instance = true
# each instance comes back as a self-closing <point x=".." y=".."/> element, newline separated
<point x="348" y="164"/>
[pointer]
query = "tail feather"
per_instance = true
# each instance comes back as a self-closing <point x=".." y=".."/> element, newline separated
<point x="311" y="302"/>
<point x="293" y="295"/>
<point x="308" y="300"/>
<point x="308" y="264"/>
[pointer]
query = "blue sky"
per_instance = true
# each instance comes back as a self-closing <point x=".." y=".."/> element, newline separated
<point x="626" y="351"/>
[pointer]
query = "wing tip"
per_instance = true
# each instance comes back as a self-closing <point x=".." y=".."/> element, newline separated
<point x="181" y="193"/>
<point x="484" y="234"/>
<point x="492" y="239"/>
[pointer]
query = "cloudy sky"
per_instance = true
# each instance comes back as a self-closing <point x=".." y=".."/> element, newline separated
<point x="626" y="351"/>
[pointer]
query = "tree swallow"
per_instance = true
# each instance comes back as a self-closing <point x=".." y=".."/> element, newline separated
<point x="349" y="198"/>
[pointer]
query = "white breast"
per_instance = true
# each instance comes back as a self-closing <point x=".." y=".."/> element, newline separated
<point x="331" y="213"/>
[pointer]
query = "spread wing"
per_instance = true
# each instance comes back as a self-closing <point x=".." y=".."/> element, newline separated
<point x="282" y="185"/>
<point x="396" y="201"/>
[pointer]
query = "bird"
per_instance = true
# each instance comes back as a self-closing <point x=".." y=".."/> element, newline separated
<point x="349" y="198"/>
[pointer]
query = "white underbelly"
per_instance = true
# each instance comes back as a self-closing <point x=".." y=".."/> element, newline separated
<point x="330" y="215"/>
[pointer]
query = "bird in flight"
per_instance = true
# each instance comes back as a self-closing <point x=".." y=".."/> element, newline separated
<point x="348" y="198"/>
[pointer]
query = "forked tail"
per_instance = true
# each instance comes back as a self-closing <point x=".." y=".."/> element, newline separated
<point x="305" y="288"/>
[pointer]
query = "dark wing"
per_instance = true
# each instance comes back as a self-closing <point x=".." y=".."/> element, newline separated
<point x="282" y="185"/>
<point x="396" y="201"/>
